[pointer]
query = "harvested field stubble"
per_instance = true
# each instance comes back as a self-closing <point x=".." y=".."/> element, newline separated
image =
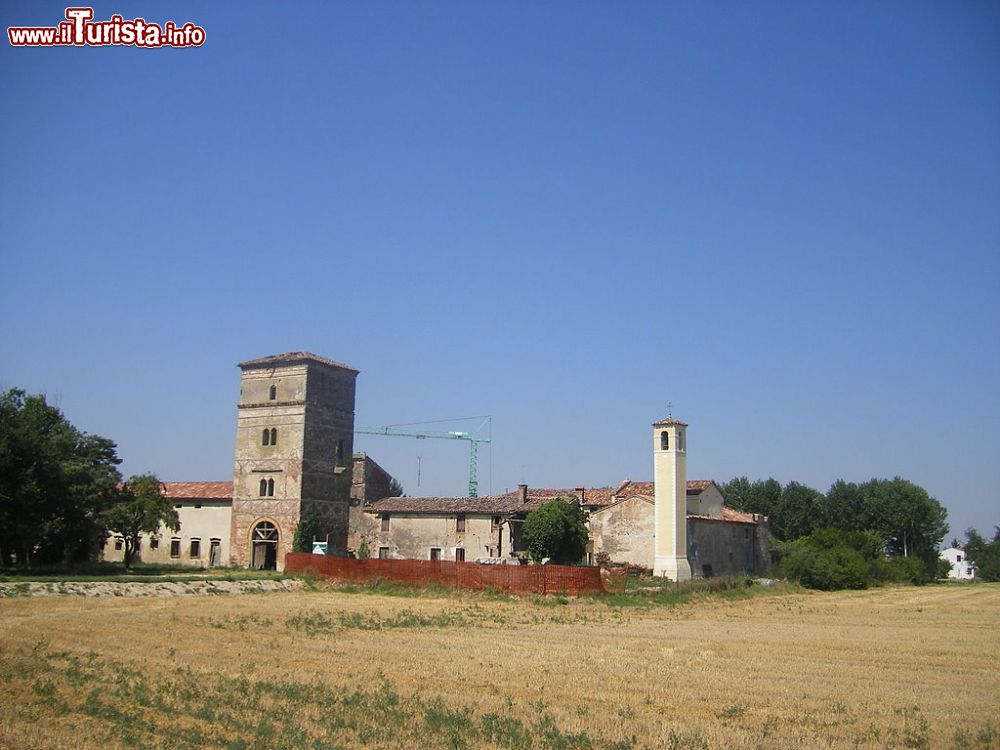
<point x="889" y="668"/>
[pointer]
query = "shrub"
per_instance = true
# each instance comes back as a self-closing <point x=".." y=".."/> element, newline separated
<point x="826" y="560"/>
<point x="903" y="570"/>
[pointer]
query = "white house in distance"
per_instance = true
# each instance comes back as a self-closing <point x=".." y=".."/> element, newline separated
<point x="962" y="568"/>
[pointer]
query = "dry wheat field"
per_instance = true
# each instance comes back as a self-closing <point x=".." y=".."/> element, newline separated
<point x="888" y="668"/>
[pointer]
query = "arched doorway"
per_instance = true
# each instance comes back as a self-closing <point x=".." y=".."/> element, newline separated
<point x="264" y="546"/>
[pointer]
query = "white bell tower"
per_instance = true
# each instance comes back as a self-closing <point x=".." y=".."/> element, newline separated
<point x="670" y="483"/>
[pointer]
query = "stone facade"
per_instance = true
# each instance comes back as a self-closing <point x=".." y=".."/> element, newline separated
<point x="294" y="448"/>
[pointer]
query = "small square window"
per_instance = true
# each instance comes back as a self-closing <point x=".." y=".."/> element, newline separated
<point x="460" y="523"/>
<point x="435" y="553"/>
<point x="154" y="542"/>
<point x="119" y="543"/>
<point x="385" y="522"/>
<point x="383" y="553"/>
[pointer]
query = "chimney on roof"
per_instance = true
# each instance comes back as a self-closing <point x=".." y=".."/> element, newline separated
<point x="523" y="490"/>
<point x="581" y="491"/>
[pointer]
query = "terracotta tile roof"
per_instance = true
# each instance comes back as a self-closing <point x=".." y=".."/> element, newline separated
<point x="509" y="502"/>
<point x="290" y="358"/>
<point x="628" y="487"/>
<point x="198" y="490"/>
<point x="728" y="514"/>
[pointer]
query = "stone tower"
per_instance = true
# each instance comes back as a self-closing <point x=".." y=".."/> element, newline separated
<point x="294" y="446"/>
<point x="670" y="500"/>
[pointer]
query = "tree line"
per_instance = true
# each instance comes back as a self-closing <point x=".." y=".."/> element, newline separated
<point x="882" y="528"/>
<point x="61" y="492"/>
<point x="984" y="553"/>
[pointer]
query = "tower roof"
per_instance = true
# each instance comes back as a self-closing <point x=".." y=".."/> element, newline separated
<point x="293" y="358"/>
<point x="669" y="422"/>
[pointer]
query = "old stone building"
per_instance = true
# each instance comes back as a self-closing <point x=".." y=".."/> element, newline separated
<point x="294" y="443"/>
<point x="676" y="528"/>
<point x="294" y="451"/>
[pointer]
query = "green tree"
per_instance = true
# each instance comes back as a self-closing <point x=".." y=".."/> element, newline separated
<point x="557" y="530"/>
<point x="395" y="488"/>
<point x="141" y="508"/>
<point x="761" y="496"/>
<point x="798" y="512"/>
<point x="909" y="520"/>
<point x="846" y="507"/>
<point x="307" y="530"/>
<point x="985" y="554"/>
<point x="55" y="483"/>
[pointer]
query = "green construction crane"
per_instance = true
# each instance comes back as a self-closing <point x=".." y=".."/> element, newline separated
<point x="473" y="440"/>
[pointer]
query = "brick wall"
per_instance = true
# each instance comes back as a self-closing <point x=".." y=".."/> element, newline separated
<point x="517" y="579"/>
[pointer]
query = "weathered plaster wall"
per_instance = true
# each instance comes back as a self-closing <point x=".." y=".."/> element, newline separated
<point x="729" y="548"/>
<point x="204" y="520"/>
<point x="708" y="502"/>
<point x="625" y="531"/>
<point x="411" y="536"/>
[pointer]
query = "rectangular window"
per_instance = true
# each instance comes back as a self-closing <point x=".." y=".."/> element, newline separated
<point x="459" y="524"/>
<point x="154" y="542"/>
<point x="459" y="554"/>
<point x="383" y="553"/>
<point x="385" y="522"/>
<point x="119" y="542"/>
<point x="435" y="553"/>
<point x="495" y="522"/>
<point x="196" y="548"/>
<point x="175" y="547"/>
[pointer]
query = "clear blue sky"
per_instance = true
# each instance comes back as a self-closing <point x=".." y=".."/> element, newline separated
<point x="783" y="217"/>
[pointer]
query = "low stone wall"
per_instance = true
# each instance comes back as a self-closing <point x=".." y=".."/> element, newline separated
<point x="516" y="579"/>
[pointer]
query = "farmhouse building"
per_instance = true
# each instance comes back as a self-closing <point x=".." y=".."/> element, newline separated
<point x="962" y="568"/>
<point x="294" y="451"/>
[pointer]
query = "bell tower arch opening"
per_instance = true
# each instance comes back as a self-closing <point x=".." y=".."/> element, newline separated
<point x="264" y="546"/>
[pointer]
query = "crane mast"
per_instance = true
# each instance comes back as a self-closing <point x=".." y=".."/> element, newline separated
<point x="404" y="430"/>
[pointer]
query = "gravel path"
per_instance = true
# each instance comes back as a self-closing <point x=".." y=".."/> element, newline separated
<point x="147" y="588"/>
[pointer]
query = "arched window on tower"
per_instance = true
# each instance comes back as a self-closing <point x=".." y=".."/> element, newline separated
<point x="680" y="441"/>
<point x="270" y="488"/>
<point x="664" y="441"/>
<point x="265" y="438"/>
<point x="274" y="392"/>
<point x="263" y="487"/>
<point x="274" y="436"/>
